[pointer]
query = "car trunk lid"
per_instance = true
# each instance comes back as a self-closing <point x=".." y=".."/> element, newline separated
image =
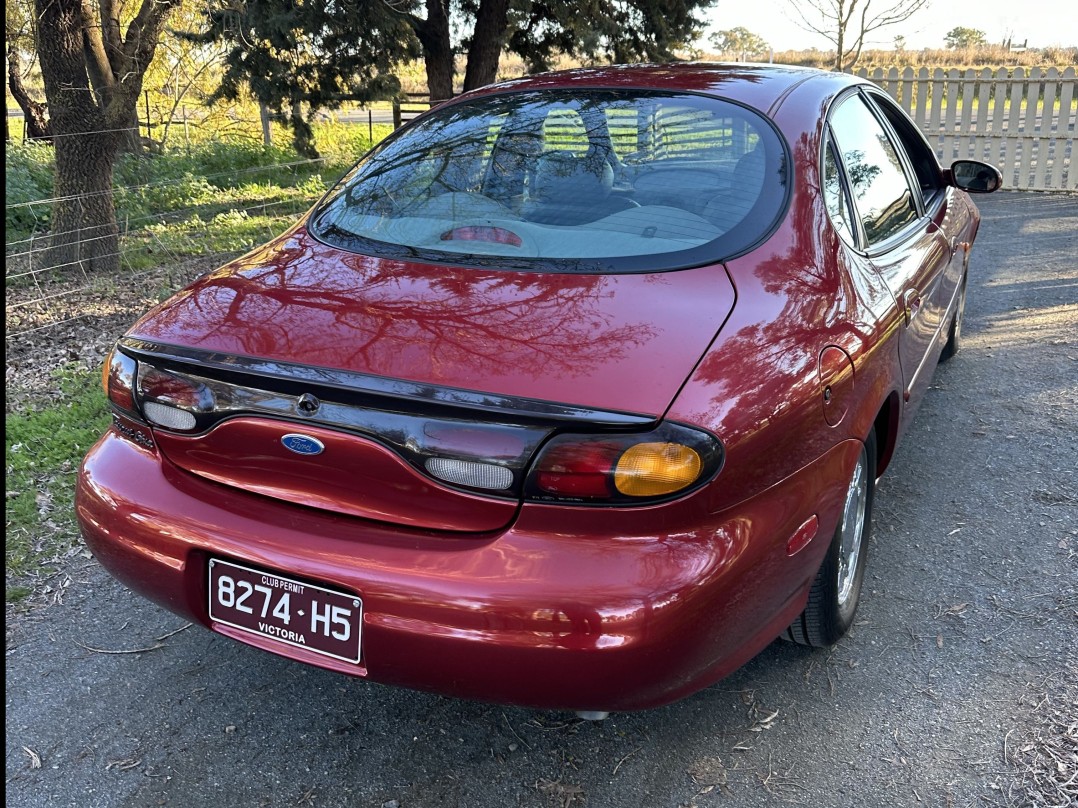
<point x="409" y="362"/>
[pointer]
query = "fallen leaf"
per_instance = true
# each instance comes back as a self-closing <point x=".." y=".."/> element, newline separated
<point x="35" y="758"/>
<point x="565" y="792"/>
<point x="123" y="765"/>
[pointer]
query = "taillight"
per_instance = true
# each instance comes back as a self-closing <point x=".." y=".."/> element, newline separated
<point x="657" y="469"/>
<point x="623" y="469"/>
<point x="172" y="400"/>
<point x="118" y="379"/>
<point x="577" y="467"/>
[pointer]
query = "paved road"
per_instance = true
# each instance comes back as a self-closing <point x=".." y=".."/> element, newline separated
<point x="968" y="624"/>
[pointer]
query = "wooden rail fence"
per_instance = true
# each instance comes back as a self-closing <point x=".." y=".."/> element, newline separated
<point x="1021" y="121"/>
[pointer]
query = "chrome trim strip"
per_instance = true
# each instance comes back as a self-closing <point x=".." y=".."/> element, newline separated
<point x="384" y="388"/>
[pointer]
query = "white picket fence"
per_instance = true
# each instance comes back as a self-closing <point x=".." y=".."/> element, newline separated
<point x="1020" y="121"/>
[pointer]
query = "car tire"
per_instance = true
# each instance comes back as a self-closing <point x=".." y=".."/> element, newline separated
<point x="836" y="591"/>
<point x="954" y="334"/>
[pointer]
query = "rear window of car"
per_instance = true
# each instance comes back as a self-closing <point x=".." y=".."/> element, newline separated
<point x="571" y="181"/>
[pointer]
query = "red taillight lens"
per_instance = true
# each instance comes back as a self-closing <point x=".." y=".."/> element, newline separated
<point x="581" y="468"/>
<point x="118" y="379"/>
<point x="623" y="469"/>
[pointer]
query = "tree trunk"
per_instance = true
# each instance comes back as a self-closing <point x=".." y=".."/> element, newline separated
<point x="264" y="116"/>
<point x="37" y="125"/>
<point x="302" y="134"/>
<point x="131" y="139"/>
<point x="84" y="228"/>
<point x="433" y="35"/>
<point x="84" y="231"/>
<point x="488" y="39"/>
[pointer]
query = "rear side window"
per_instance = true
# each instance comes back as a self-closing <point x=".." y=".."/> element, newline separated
<point x="881" y="191"/>
<point x="834" y="196"/>
<point x="575" y="181"/>
<point x="922" y="158"/>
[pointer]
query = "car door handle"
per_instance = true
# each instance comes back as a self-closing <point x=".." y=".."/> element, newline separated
<point x="911" y="303"/>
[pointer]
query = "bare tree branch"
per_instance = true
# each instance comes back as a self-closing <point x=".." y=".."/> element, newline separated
<point x="839" y="22"/>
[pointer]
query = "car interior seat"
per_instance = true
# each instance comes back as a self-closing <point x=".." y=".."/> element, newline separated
<point x="727" y="209"/>
<point x="570" y="190"/>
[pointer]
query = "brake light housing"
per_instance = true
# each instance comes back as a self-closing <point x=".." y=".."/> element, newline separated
<point x="172" y="400"/>
<point x="118" y="380"/>
<point x="624" y="469"/>
<point x="589" y="463"/>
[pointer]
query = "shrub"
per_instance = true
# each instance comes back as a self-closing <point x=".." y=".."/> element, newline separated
<point x="28" y="178"/>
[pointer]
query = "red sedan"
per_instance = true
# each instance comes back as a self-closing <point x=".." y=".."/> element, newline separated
<point x="572" y="393"/>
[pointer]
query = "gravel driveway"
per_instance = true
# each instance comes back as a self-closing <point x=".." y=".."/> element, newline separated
<point x="957" y="687"/>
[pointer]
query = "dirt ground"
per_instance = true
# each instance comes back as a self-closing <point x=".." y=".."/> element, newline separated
<point x="957" y="687"/>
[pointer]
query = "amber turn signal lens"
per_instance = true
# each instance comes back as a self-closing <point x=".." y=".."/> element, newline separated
<point x="105" y="372"/>
<point x="655" y="469"/>
<point x="118" y="379"/>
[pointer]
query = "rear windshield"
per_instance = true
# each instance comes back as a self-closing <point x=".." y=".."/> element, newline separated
<point x="571" y="181"/>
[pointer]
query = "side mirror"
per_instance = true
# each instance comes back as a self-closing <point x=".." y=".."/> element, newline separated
<point x="975" y="176"/>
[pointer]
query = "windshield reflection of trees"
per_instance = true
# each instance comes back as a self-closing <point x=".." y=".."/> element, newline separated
<point x="888" y="205"/>
<point x="492" y="146"/>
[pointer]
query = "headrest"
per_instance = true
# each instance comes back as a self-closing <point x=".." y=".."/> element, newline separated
<point x="749" y="171"/>
<point x="562" y="177"/>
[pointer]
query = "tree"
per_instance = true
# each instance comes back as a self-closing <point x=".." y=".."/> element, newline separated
<point x="298" y="57"/>
<point x="292" y="53"/>
<point x="19" y="40"/>
<point x="738" y="40"/>
<point x="960" y="37"/>
<point x="846" y="23"/>
<point x="537" y="30"/>
<point x="93" y="78"/>
<point x="618" y="30"/>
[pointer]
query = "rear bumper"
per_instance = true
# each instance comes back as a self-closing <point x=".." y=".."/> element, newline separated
<point x="632" y="610"/>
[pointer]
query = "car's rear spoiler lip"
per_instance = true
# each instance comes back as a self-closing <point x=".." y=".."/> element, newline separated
<point x="416" y="396"/>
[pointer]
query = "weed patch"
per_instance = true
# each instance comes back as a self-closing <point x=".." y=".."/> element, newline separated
<point x="42" y="453"/>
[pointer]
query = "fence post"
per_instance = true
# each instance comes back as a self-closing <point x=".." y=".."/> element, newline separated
<point x="370" y="126"/>
<point x="186" y="133"/>
<point x="263" y="113"/>
<point x="396" y="113"/>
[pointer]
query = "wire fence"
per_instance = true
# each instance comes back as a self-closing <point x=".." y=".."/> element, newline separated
<point x="156" y="251"/>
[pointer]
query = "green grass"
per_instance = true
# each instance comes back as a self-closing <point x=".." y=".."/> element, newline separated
<point x="232" y="194"/>
<point x="43" y="450"/>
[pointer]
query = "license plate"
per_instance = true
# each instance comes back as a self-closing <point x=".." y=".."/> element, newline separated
<point x="295" y="613"/>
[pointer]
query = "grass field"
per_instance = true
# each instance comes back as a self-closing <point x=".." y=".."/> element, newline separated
<point x="210" y="197"/>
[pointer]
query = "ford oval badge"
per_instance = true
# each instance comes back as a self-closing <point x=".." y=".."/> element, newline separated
<point x="303" y="444"/>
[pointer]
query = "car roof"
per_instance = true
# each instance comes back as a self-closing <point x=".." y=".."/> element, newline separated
<point x="761" y="86"/>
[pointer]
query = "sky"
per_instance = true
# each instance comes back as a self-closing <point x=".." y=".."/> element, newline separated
<point x="1043" y="22"/>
